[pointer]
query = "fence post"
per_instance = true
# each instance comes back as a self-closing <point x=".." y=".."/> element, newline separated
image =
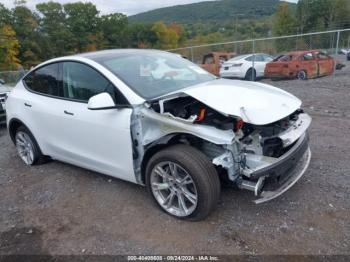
<point x="192" y="56"/>
<point x="310" y="46"/>
<point x="336" y="52"/>
<point x="253" y="62"/>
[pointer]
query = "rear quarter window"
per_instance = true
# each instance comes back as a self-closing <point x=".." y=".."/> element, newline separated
<point x="45" y="80"/>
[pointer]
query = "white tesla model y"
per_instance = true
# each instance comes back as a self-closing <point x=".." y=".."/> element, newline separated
<point x="156" y="119"/>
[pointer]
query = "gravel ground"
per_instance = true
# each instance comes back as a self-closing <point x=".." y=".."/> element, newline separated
<point x="61" y="209"/>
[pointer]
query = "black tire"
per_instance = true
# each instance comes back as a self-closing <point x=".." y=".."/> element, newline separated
<point x="302" y="75"/>
<point x="38" y="158"/>
<point x="250" y="75"/>
<point x="202" y="172"/>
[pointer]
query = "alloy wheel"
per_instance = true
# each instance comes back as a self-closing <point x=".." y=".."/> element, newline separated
<point x="174" y="189"/>
<point x="25" y="147"/>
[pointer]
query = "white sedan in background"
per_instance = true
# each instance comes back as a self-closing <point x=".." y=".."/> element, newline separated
<point x="242" y="66"/>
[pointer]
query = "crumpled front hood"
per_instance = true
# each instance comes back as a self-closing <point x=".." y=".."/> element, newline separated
<point x="255" y="103"/>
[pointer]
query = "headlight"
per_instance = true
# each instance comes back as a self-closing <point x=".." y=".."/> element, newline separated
<point x="237" y="65"/>
<point x="3" y="97"/>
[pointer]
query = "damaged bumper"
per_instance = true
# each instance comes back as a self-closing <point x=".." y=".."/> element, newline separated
<point x="290" y="179"/>
<point x="275" y="178"/>
<point x="286" y="162"/>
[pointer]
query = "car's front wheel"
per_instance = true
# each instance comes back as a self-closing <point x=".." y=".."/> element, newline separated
<point x="27" y="147"/>
<point x="183" y="182"/>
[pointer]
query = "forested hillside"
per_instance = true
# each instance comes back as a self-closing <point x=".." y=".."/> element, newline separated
<point x="205" y="11"/>
<point x="52" y="29"/>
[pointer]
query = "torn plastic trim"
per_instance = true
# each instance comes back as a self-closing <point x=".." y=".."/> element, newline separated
<point x="293" y="133"/>
<point x="231" y="160"/>
<point x="155" y="126"/>
<point x="149" y="128"/>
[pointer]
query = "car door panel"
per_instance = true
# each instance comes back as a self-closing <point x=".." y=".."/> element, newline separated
<point x="309" y="64"/>
<point x="95" y="139"/>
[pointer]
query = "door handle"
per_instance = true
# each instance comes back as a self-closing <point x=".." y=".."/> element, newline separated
<point x="27" y="105"/>
<point x="68" y="113"/>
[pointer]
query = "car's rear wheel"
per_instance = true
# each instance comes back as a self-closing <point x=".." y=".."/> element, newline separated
<point x="27" y="147"/>
<point x="183" y="182"/>
<point x="302" y="75"/>
<point x="250" y="75"/>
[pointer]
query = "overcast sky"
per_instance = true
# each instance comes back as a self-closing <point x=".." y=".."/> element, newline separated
<point x="128" y="7"/>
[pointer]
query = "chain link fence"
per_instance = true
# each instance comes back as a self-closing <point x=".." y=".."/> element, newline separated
<point x="333" y="43"/>
<point x="11" y="77"/>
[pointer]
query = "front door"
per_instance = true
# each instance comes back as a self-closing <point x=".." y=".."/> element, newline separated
<point x="99" y="140"/>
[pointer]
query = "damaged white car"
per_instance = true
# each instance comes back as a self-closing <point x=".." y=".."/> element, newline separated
<point x="156" y="119"/>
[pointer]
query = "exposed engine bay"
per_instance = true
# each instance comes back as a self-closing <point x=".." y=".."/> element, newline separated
<point x="241" y="151"/>
<point x="262" y="140"/>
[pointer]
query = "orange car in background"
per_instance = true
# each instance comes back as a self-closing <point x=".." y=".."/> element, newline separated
<point x="213" y="61"/>
<point x="301" y="65"/>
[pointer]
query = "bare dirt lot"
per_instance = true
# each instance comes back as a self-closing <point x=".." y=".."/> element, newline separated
<point x="61" y="209"/>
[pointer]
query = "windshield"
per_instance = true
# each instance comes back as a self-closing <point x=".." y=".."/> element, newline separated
<point x="155" y="74"/>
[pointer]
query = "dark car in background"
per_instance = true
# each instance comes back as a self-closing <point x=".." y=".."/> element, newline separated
<point x="4" y="91"/>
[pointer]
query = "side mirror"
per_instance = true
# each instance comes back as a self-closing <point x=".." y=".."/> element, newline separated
<point x="101" y="101"/>
<point x="2" y="81"/>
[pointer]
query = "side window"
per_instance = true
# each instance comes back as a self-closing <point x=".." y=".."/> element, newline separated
<point x="256" y="58"/>
<point x="80" y="82"/>
<point x="259" y="58"/>
<point x="322" y="56"/>
<point x="208" y="60"/>
<point x="308" y="57"/>
<point x="267" y="58"/>
<point x="45" y="80"/>
<point x="250" y="58"/>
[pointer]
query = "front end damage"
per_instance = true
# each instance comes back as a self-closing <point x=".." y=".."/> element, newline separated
<point x="265" y="159"/>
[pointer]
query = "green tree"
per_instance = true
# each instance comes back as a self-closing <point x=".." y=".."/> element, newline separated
<point x="52" y="25"/>
<point x="114" y="28"/>
<point x="318" y="15"/>
<point x="284" y="24"/>
<point x="82" y="23"/>
<point x="25" y="24"/>
<point x="5" y="16"/>
<point x="9" y="49"/>
<point x="167" y="37"/>
<point x="284" y="21"/>
<point x="140" y="35"/>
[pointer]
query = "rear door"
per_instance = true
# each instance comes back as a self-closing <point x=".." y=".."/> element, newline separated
<point x="39" y="105"/>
